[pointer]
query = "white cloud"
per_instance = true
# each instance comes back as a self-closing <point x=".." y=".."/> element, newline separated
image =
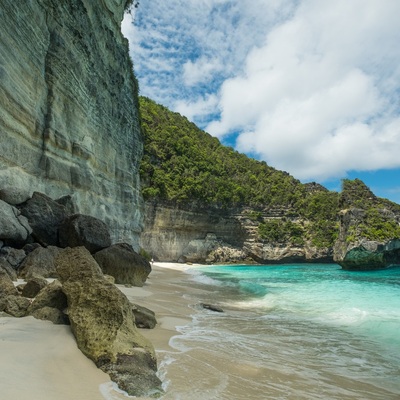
<point x="310" y="86"/>
<point x="199" y="109"/>
<point x="315" y="99"/>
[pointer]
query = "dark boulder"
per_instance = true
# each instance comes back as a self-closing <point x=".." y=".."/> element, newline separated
<point x="44" y="216"/>
<point x="33" y="287"/>
<point x="84" y="230"/>
<point x="124" y="264"/>
<point x="144" y="317"/>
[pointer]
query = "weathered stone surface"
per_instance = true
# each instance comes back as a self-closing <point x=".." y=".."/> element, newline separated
<point x="124" y="264"/>
<point x="103" y="324"/>
<point x="171" y="234"/>
<point x="5" y="266"/>
<point x="13" y="226"/>
<point x="40" y="262"/>
<point x="33" y="287"/>
<point x="69" y="117"/>
<point x="54" y="315"/>
<point x="13" y="256"/>
<point x="215" y="236"/>
<point x="14" y="196"/>
<point x="51" y="296"/>
<point x="16" y="306"/>
<point x="6" y="284"/>
<point x="144" y="318"/>
<point x="84" y="230"/>
<point x="372" y="255"/>
<point x="44" y="216"/>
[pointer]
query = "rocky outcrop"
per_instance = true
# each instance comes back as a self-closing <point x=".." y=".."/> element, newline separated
<point x="103" y="324"/>
<point x="216" y="236"/>
<point x="175" y="234"/>
<point x="44" y="216"/>
<point x="40" y="262"/>
<point x="124" y="264"/>
<point x="84" y="230"/>
<point x="369" y="230"/>
<point x="69" y="121"/>
<point x="13" y="226"/>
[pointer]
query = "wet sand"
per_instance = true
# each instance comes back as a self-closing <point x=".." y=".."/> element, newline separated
<point x="40" y="361"/>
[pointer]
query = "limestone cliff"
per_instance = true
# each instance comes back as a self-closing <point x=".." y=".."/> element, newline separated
<point x="69" y="116"/>
<point x="369" y="229"/>
<point x="207" y="235"/>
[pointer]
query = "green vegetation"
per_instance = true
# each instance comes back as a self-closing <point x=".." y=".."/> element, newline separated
<point x="377" y="220"/>
<point x="282" y="231"/>
<point x="182" y="164"/>
<point x="185" y="166"/>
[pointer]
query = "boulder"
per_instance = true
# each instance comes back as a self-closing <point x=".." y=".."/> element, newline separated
<point x="44" y="216"/>
<point x="13" y="256"/>
<point x="54" y="315"/>
<point x="51" y="296"/>
<point x="124" y="264"/>
<point x="33" y="287"/>
<point x="14" y="195"/>
<point x="84" y="230"/>
<point x="372" y="255"/>
<point x="5" y="266"/>
<point x="16" y="306"/>
<point x="144" y="318"/>
<point x="103" y="324"/>
<point x="13" y="226"/>
<point x="40" y="262"/>
<point x="6" y="284"/>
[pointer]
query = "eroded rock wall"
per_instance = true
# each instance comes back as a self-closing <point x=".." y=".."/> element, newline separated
<point x="68" y="118"/>
<point x="175" y="234"/>
<point x="208" y="236"/>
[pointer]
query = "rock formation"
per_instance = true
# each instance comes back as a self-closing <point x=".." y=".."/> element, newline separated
<point x="123" y="264"/>
<point x="369" y="231"/>
<point x="214" y="236"/>
<point x="69" y="121"/>
<point x="101" y="317"/>
<point x="103" y="324"/>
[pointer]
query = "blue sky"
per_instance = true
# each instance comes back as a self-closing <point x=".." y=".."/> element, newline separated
<point x="309" y="86"/>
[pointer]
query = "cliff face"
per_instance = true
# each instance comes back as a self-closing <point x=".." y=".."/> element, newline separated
<point x="175" y="234"/>
<point x="68" y="118"/>
<point x="369" y="229"/>
<point x="211" y="236"/>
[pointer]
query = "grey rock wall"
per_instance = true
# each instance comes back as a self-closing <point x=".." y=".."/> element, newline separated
<point x="207" y="236"/>
<point x="68" y="108"/>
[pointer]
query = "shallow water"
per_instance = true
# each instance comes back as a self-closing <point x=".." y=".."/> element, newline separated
<point x="288" y="332"/>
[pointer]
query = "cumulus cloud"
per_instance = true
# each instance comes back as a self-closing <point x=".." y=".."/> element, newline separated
<point x="310" y="86"/>
<point x="184" y="50"/>
<point x="316" y="99"/>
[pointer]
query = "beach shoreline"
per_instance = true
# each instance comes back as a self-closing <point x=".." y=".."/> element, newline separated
<point x="40" y="361"/>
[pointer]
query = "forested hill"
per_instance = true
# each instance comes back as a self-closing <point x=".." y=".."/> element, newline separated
<point x="186" y="166"/>
<point x="183" y="164"/>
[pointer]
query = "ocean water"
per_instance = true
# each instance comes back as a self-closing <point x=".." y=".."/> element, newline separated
<point x="302" y="331"/>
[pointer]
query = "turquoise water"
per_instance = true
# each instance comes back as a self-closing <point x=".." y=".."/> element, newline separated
<point x="292" y="332"/>
<point x="366" y="303"/>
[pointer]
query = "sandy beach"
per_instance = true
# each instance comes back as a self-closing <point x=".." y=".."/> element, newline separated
<point x="40" y="361"/>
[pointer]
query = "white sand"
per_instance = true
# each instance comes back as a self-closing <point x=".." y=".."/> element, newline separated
<point x="40" y="361"/>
